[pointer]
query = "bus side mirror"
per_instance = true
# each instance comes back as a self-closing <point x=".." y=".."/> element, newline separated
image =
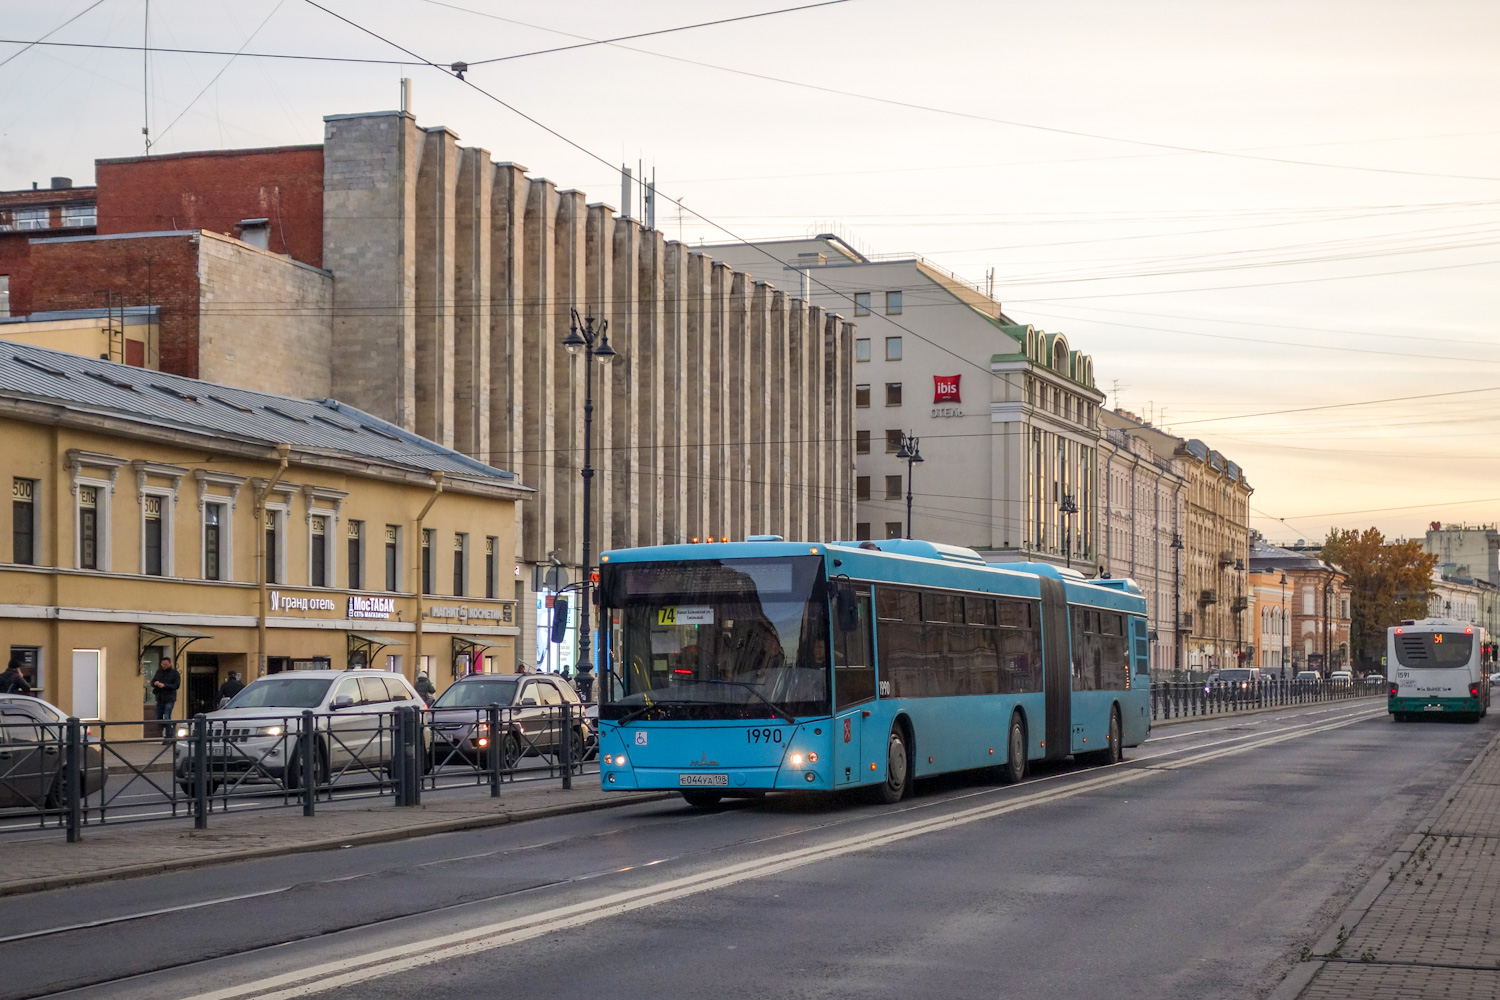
<point x="847" y="609"/>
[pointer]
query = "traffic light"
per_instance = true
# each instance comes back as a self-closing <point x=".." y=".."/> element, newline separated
<point x="559" y="619"/>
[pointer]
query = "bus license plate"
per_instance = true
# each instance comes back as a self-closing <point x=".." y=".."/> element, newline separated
<point x="694" y="780"/>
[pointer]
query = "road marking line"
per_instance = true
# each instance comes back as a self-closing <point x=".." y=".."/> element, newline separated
<point x="401" y="958"/>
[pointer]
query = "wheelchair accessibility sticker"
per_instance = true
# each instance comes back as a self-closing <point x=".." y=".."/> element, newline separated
<point x="640" y="737"/>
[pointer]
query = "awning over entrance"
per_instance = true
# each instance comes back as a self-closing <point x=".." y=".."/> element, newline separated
<point x="473" y="646"/>
<point x="175" y="636"/>
<point x="367" y="645"/>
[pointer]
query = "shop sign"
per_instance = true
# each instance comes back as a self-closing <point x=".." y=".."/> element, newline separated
<point x="945" y="388"/>
<point x="297" y="602"/>
<point x="464" y="613"/>
<point x="371" y="607"/>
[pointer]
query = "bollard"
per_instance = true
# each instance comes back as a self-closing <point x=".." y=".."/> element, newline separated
<point x="496" y="757"/>
<point x="200" y="771"/>
<point x="309" y="763"/>
<point x="565" y="739"/>
<point x="73" y="775"/>
<point x="399" y="757"/>
<point x="414" y="762"/>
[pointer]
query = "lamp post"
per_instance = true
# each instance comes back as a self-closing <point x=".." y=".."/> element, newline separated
<point x="1283" y="626"/>
<point x="1068" y="507"/>
<point x="909" y="454"/>
<point x="595" y="347"/>
<point x="1239" y="612"/>
<point x="1178" y="642"/>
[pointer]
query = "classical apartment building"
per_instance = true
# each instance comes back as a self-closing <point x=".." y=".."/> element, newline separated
<point x="401" y="272"/>
<point x="148" y="509"/>
<point x="1141" y="516"/>
<point x="1005" y="416"/>
<point x="1301" y="605"/>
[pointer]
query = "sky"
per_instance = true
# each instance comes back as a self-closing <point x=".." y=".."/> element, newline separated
<point x="1275" y="225"/>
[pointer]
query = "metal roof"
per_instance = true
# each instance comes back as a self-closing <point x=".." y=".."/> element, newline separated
<point x="310" y="426"/>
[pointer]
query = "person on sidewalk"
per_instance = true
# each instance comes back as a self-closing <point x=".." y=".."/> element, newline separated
<point x="425" y="687"/>
<point x="230" y="688"/>
<point x="164" y="685"/>
<point x="13" y="681"/>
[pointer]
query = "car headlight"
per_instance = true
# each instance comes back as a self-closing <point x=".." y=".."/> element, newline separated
<point x="268" y="731"/>
<point x="182" y="732"/>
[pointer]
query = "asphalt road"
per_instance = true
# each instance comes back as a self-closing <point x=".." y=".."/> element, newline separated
<point x="1198" y="868"/>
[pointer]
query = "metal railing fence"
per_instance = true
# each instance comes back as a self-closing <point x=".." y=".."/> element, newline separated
<point x="1184" y="699"/>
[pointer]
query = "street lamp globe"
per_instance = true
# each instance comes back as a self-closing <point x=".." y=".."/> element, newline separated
<point x="603" y="354"/>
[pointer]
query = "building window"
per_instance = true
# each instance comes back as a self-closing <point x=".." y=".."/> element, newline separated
<point x="317" y="550"/>
<point x="892" y="442"/>
<point x="4" y="294"/>
<point x="274" y="521"/>
<point x="862" y="531"/>
<point x="893" y="529"/>
<point x="392" y="563"/>
<point x="33" y="218"/>
<point x="427" y="534"/>
<point x="460" y="564"/>
<point x="893" y="394"/>
<point x="356" y="555"/>
<point x="491" y="568"/>
<point x="88" y="527"/>
<point x="862" y="395"/>
<point x="861" y="303"/>
<point x="862" y="349"/>
<point x="893" y="348"/>
<point x="893" y="487"/>
<point x="893" y="303"/>
<point x="213" y="541"/>
<point x="151" y="535"/>
<point x="862" y="488"/>
<point x="80" y="215"/>
<point x="861" y="442"/>
<point x="23" y="521"/>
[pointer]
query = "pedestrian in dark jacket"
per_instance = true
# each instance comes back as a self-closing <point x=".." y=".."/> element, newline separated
<point x="13" y="681"/>
<point x="164" y="685"/>
<point x="425" y="687"/>
<point x="230" y="688"/>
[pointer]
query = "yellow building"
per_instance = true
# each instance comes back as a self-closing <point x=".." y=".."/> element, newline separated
<point x="127" y="334"/>
<point x="241" y="532"/>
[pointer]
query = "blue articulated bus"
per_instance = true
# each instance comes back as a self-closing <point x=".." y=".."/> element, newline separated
<point x="749" y="667"/>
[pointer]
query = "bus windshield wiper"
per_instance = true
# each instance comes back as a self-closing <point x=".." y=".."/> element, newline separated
<point x="752" y="689"/>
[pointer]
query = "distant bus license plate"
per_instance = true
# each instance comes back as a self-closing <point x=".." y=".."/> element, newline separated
<point x="1432" y="708"/>
<point x="691" y="780"/>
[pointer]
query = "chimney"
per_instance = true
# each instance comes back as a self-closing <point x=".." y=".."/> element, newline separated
<point x="406" y="95"/>
<point x="61" y="183"/>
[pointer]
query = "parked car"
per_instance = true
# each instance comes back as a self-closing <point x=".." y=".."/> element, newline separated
<point x="257" y="734"/>
<point x="1373" y="678"/>
<point x="1244" y="678"/>
<point x="531" y="725"/>
<point x="1341" y="677"/>
<point x="1495" y="678"/>
<point x="33" y="765"/>
<point x="1309" y="677"/>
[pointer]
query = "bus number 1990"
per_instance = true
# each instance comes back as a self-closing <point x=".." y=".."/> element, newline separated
<point x="762" y="736"/>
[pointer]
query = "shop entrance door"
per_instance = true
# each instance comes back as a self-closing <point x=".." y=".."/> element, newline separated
<point x="202" y="683"/>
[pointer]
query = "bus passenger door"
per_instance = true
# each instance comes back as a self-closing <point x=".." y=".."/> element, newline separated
<point x="1057" y="678"/>
<point x="853" y="683"/>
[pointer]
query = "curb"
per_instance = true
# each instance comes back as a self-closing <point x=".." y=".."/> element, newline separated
<point x="327" y="844"/>
<point x="1297" y="980"/>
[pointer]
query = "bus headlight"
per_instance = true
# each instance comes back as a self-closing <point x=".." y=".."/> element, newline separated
<point x="796" y="760"/>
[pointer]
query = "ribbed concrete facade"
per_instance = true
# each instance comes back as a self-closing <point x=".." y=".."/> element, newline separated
<point x="729" y="410"/>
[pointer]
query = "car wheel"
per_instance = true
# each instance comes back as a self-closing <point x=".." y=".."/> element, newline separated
<point x="1014" y="770"/>
<point x="510" y="752"/>
<point x="292" y="777"/>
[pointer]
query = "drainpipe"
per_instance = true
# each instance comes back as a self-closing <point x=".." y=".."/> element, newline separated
<point x="283" y="451"/>
<point x="437" y="488"/>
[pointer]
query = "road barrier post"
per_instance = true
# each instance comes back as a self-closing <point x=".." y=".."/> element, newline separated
<point x="73" y="775"/>
<point x="200" y="771"/>
<point x="495" y="752"/>
<point x="309" y="763"/>
<point x="565" y="744"/>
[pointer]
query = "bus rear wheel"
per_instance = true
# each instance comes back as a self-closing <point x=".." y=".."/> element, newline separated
<point x="1014" y="770"/>
<point x="700" y="799"/>
<point x="897" y="770"/>
<point x="1115" y="752"/>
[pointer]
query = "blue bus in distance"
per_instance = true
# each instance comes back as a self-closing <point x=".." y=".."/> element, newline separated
<point x="749" y="667"/>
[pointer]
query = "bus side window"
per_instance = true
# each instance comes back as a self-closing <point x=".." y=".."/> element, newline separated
<point x="853" y="664"/>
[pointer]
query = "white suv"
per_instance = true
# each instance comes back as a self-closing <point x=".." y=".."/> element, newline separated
<point x="258" y="734"/>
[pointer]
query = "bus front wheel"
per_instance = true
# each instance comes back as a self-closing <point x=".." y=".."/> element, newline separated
<point x="1015" y="760"/>
<point x="897" y="769"/>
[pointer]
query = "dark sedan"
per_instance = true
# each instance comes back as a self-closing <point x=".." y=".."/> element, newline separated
<point x="32" y="759"/>
<point x="530" y="719"/>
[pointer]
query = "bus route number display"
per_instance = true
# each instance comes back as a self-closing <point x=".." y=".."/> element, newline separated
<point x="686" y="615"/>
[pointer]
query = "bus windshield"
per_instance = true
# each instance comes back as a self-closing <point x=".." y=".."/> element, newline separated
<point x="716" y="639"/>
<point x="1417" y="650"/>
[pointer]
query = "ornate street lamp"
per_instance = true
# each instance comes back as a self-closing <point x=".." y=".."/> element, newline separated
<point x="1069" y="507"/>
<point x="1284" y="626"/>
<point x="595" y="347"/>
<point x="911" y="456"/>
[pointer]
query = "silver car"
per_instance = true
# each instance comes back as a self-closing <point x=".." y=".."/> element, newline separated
<point x="33" y="769"/>
<point x="258" y="734"/>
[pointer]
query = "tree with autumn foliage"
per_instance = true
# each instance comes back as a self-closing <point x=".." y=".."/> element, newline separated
<point x="1388" y="582"/>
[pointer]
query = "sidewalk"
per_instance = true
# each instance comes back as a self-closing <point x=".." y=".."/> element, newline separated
<point x="128" y="850"/>
<point x="1428" y="925"/>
